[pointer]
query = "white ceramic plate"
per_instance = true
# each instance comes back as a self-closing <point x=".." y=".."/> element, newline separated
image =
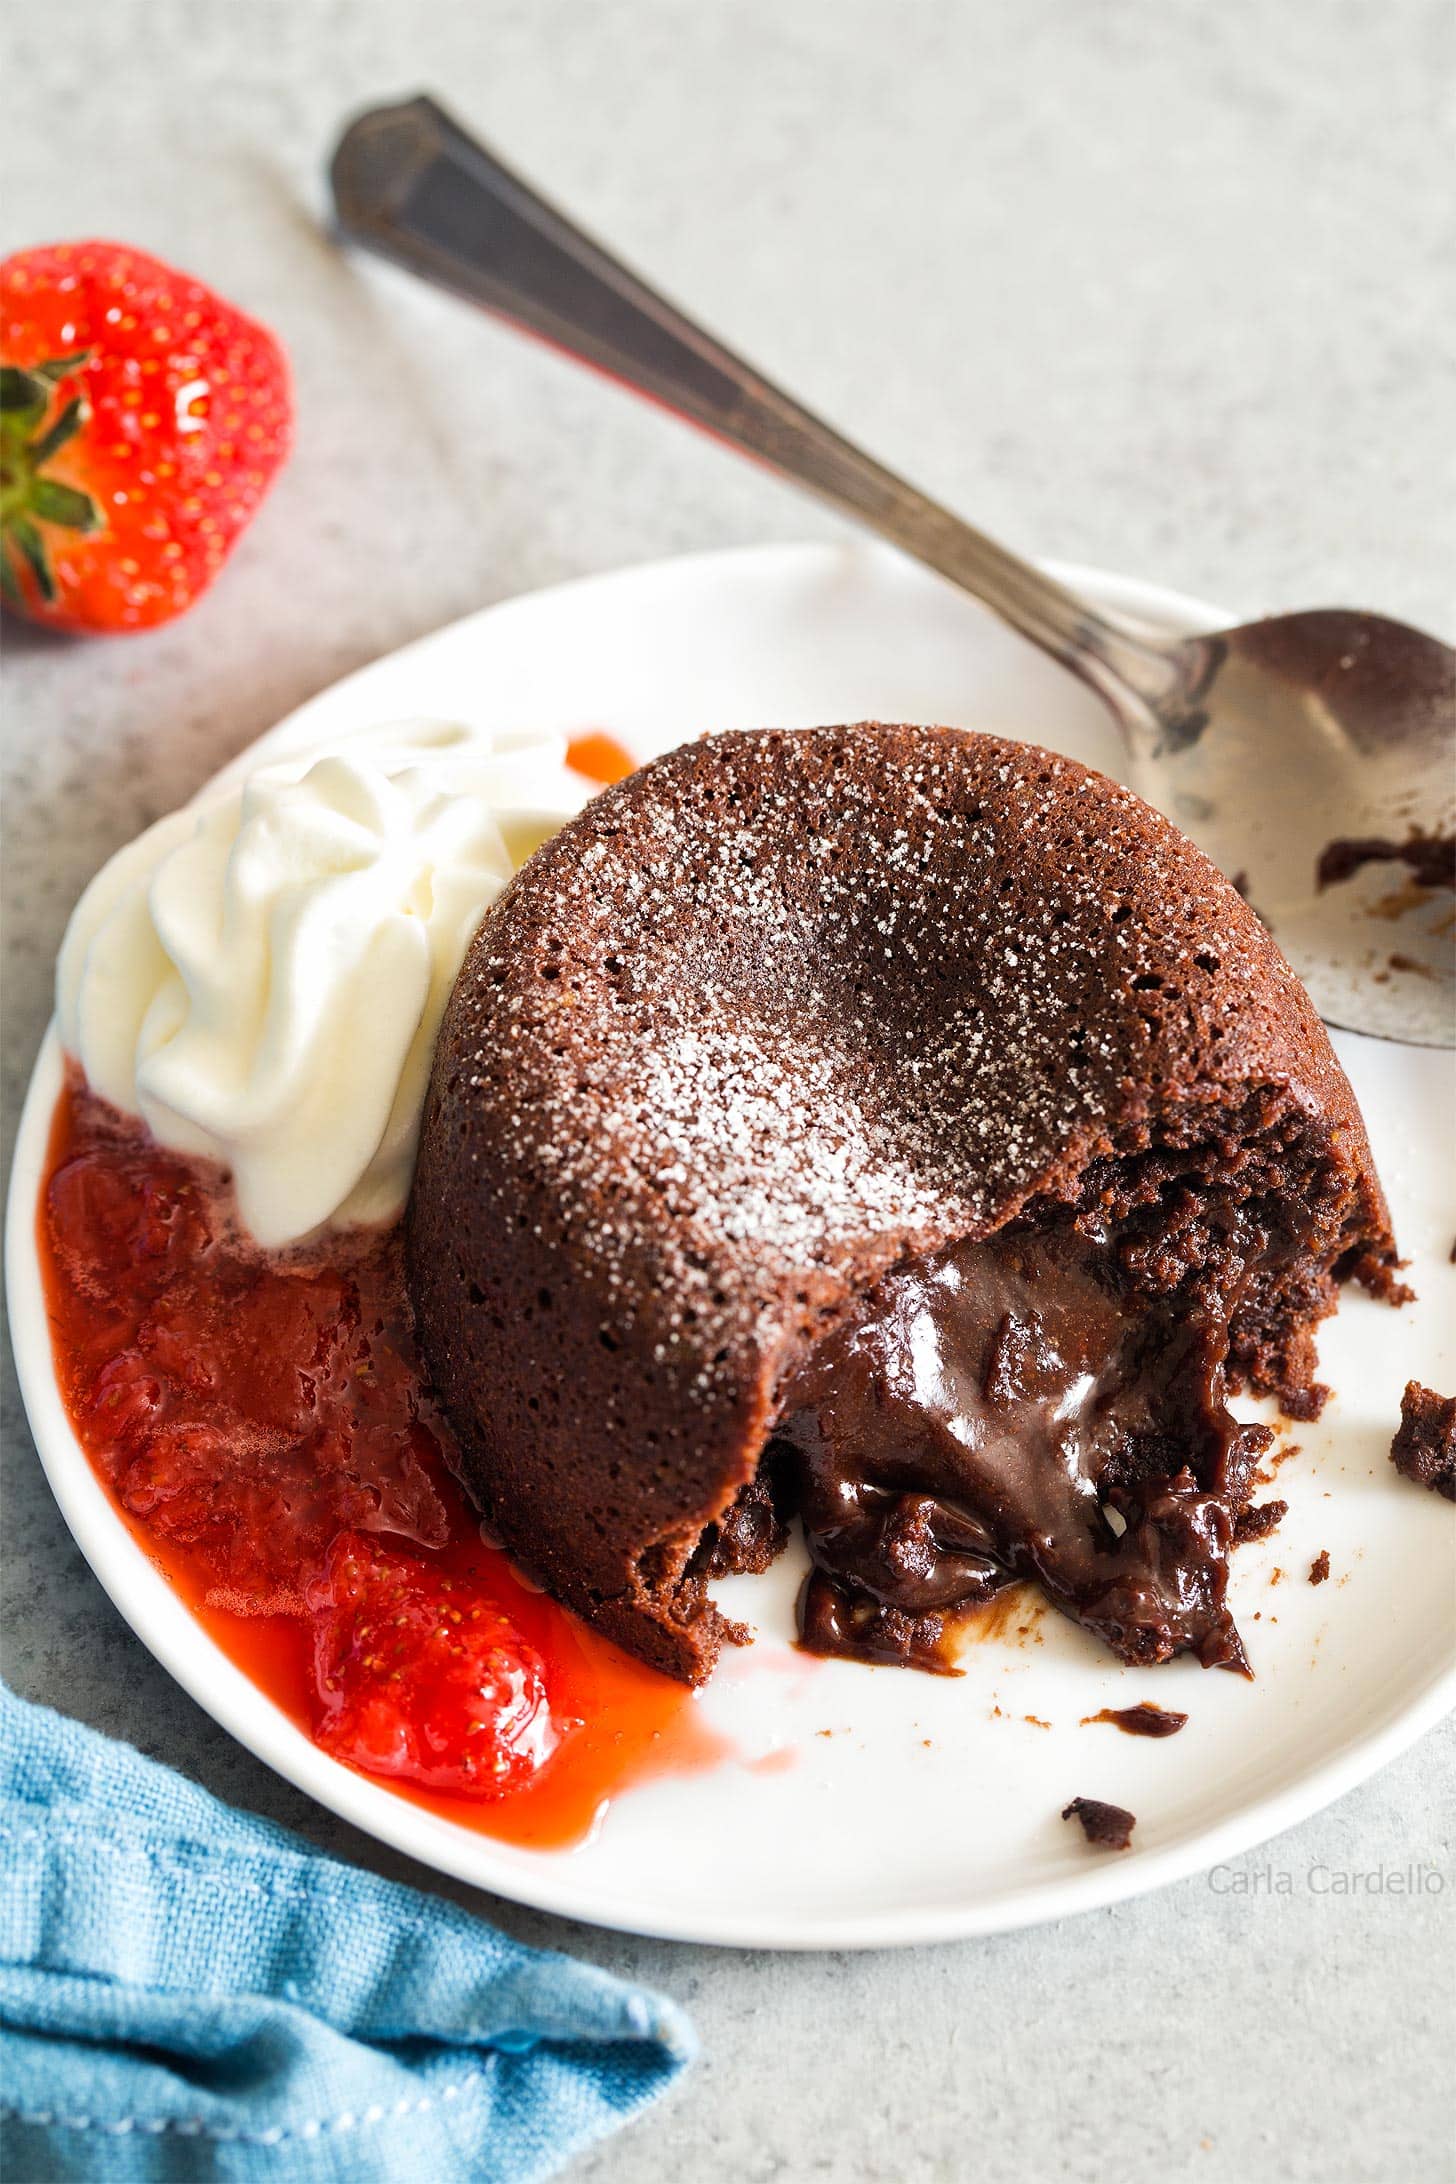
<point x="900" y="1808"/>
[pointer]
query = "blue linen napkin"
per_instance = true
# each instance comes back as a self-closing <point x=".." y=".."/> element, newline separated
<point x="191" y="1992"/>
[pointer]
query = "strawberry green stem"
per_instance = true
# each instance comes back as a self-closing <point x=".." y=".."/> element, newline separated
<point x="27" y="497"/>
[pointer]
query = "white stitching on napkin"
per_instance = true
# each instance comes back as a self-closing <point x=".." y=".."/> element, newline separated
<point x="194" y="2126"/>
<point x="310" y="1890"/>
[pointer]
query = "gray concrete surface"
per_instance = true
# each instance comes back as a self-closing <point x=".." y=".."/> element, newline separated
<point x="1164" y="286"/>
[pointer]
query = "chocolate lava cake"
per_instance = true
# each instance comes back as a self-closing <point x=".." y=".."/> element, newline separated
<point x="896" y="1127"/>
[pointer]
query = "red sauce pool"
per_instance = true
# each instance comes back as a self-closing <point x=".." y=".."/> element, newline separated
<point x="247" y="1413"/>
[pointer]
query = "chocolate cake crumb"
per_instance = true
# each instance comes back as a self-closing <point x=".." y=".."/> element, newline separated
<point x="1142" y="1720"/>
<point x="1431" y="858"/>
<point x="1259" y="1521"/>
<point x="753" y="1530"/>
<point x="1424" y="1448"/>
<point x="1108" y="1826"/>
<point x="1319" y="1569"/>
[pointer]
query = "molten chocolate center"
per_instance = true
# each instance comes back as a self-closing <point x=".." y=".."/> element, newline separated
<point x="1001" y="1412"/>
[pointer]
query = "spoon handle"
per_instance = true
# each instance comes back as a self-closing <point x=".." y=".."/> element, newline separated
<point x="410" y="184"/>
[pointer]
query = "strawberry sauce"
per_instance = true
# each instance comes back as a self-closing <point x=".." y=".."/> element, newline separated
<point x="261" y="1423"/>
<point x="599" y="757"/>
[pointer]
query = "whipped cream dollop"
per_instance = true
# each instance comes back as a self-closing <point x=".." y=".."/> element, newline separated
<point x="261" y="976"/>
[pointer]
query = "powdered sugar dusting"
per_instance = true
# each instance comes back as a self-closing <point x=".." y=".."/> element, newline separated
<point x="790" y="1002"/>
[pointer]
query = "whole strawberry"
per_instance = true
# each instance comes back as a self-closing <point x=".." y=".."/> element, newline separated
<point x="142" y="419"/>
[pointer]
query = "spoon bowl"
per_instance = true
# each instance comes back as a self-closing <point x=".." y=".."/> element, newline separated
<point x="1288" y="738"/>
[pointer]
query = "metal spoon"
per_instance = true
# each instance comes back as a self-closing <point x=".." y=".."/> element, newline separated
<point x="1265" y="743"/>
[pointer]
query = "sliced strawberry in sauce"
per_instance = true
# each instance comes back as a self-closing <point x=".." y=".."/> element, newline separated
<point x="104" y="1210"/>
<point x="263" y="1511"/>
<point x="417" y="1676"/>
<point x="173" y="1479"/>
<point x="123" y="1400"/>
<point x="168" y="1343"/>
<point x="388" y="1471"/>
<point x="259" y="1344"/>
